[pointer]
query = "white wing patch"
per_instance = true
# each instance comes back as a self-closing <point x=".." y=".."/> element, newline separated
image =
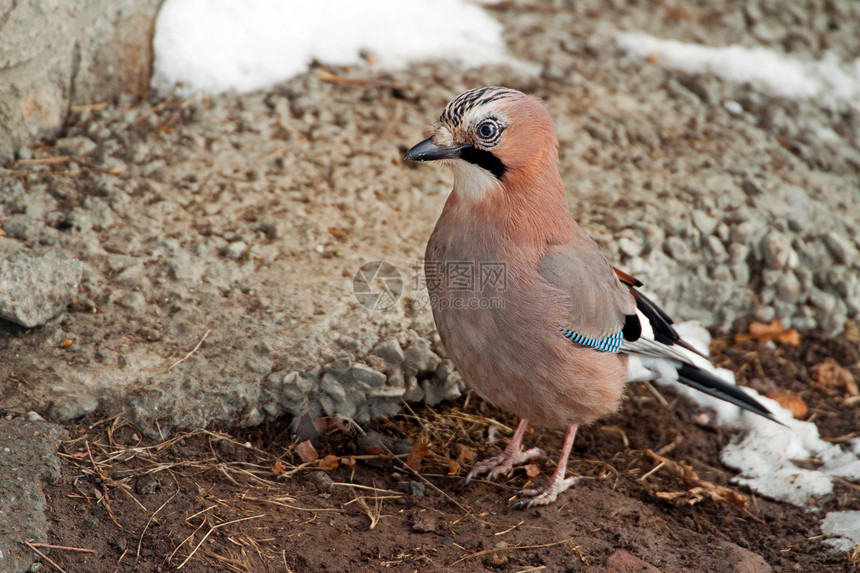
<point x="646" y="346"/>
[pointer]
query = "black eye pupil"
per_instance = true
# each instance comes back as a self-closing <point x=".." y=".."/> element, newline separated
<point x="487" y="130"/>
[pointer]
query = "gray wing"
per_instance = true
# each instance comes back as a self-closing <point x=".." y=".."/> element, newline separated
<point x="599" y="303"/>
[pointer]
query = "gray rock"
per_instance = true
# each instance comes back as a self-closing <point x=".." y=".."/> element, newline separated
<point x="436" y="391"/>
<point x="57" y="54"/>
<point x="777" y="251"/>
<point x="744" y="232"/>
<point x="416" y="488"/>
<point x="367" y="375"/>
<point x="414" y="392"/>
<point x="72" y="406"/>
<point x="788" y="288"/>
<point x="387" y="392"/>
<point x="716" y="249"/>
<point x="236" y="249"/>
<point x="75" y="145"/>
<point x="704" y="222"/>
<point x="291" y="389"/>
<point x="34" y="290"/>
<point x="841" y="247"/>
<point x="331" y="386"/>
<point x="133" y="301"/>
<point x="259" y="364"/>
<point x="27" y="459"/>
<point x="419" y="357"/>
<point x="390" y="351"/>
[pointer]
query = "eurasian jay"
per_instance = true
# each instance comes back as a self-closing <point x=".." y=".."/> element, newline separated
<point x="532" y="314"/>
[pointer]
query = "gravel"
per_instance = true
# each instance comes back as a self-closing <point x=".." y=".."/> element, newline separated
<point x="217" y="237"/>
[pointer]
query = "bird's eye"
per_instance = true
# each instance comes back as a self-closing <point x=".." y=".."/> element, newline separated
<point x="488" y="130"/>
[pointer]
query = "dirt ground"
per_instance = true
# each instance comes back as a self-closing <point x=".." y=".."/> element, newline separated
<point x="244" y="500"/>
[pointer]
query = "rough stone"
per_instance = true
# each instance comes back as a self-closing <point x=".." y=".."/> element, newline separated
<point x="34" y="290"/>
<point x="419" y="357"/>
<point x="58" y="54"/>
<point x="777" y="251"/>
<point x="367" y="375"/>
<point x="622" y="561"/>
<point x="841" y="247"/>
<point x="27" y="459"/>
<point x="390" y="351"/>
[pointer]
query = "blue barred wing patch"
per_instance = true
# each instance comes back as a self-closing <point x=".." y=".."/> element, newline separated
<point x="610" y="343"/>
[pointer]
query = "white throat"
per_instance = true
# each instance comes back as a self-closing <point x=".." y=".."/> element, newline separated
<point x="471" y="182"/>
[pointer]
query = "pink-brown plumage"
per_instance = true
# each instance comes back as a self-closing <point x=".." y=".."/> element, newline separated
<point x="546" y="342"/>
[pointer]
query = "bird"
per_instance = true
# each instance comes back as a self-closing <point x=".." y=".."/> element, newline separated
<point x="532" y="314"/>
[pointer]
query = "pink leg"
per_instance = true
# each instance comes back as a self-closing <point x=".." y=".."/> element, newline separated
<point x="504" y="462"/>
<point x="557" y="483"/>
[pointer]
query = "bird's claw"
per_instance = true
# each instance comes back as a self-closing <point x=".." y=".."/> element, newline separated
<point x="544" y="495"/>
<point x="503" y="463"/>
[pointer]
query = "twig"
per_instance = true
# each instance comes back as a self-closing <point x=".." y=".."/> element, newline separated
<point x="654" y="470"/>
<point x="43" y="161"/>
<point x="152" y="517"/>
<point x="487" y="551"/>
<point x="208" y="533"/>
<point x="63" y="547"/>
<point x="187" y="356"/>
<point x="336" y="79"/>
<point x="45" y="557"/>
<point x="656" y="393"/>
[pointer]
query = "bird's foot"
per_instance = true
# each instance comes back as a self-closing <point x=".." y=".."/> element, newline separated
<point x="503" y="463"/>
<point x="544" y="495"/>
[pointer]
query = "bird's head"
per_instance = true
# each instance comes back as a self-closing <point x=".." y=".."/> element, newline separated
<point x="492" y="138"/>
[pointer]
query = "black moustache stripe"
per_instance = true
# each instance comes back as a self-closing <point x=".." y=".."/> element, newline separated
<point x="485" y="159"/>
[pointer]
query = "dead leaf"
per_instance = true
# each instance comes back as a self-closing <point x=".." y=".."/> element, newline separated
<point x="453" y="467"/>
<point x="699" y="489"/>
<point x="337" y="233"/>
<point x="420" y="450"/>
<point x="466" y="455"/>
<point x="531" y="470"/>
<point x="306" y="451"/>
<point x="773" y="331"/>
<point x="413" y="463"/>
<point x="790" y="401"/>
<point x="829" y="375"/>
<point x="851" y="333"/>
<point x="279" y="468"/>
<point x="329" y="462"/>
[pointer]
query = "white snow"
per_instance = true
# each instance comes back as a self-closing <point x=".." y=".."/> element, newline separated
<point x="843" y="529"/>
<point x="219" y="45"/>
<point x="828" y="79"/>
<point x="763" y="451"/>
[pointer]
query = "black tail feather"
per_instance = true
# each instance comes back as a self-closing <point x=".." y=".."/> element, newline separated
<point x="706" y="382"/>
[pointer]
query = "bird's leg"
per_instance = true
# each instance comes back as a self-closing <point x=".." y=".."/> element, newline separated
<point x="504" y="462"/>
<point x="557" y="483"/>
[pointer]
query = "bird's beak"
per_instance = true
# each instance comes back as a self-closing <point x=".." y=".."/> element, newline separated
<point x="429" y="151"/>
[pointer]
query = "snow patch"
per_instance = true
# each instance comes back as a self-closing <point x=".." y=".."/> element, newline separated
<point x="763" y="451"/>
<point x="843" y="529"/>
<point x="220" y="45"/>
<point x="829" y="79"/>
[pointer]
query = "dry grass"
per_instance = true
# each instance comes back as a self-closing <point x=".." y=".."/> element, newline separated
<point x="229" y="528"/>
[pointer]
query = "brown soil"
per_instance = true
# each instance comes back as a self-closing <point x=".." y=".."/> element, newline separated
<point x="243" y="501"/>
